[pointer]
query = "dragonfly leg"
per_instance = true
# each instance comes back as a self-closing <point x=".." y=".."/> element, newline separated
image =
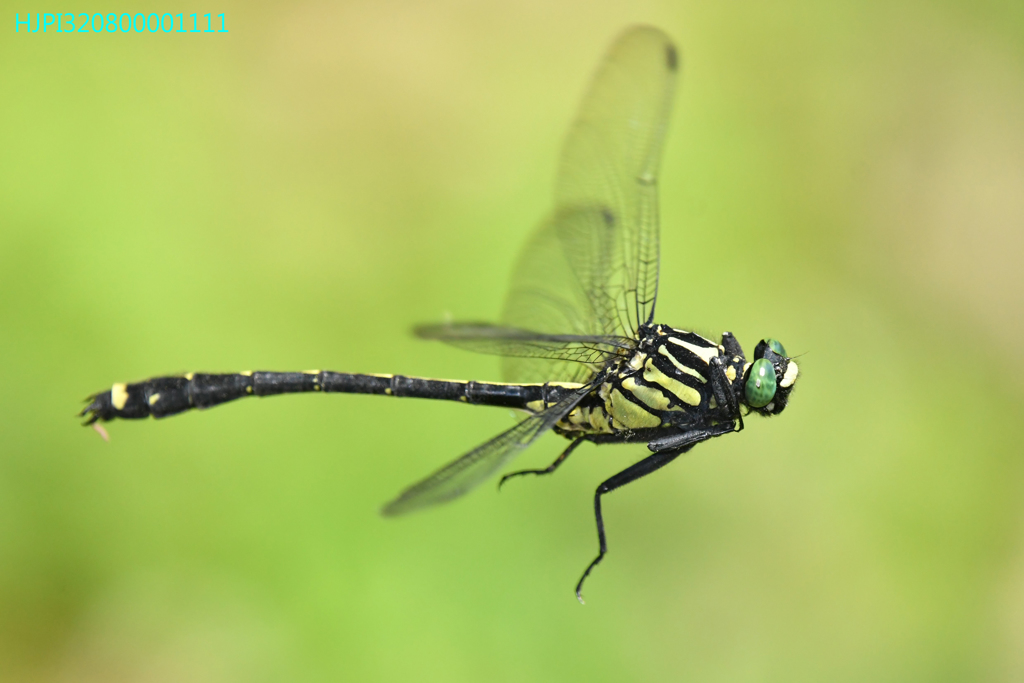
<point x="630" y="474"/>
<point x="722" y="389"/>
<point x="550" y="468"/>
<point x="687" y="440"/>
<point x="731" y="345"/>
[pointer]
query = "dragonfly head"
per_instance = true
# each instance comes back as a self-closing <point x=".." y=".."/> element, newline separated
<point x="768" y="380"/>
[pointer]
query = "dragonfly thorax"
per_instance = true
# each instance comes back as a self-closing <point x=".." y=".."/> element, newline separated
<point x="669" y="378"/>
<point x="665" y="382"/>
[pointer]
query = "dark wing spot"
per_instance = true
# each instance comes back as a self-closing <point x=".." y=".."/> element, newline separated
<point x="671" y="58"/>
<point x="608" y="216"/>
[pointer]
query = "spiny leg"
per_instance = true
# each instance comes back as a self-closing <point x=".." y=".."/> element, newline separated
<point x="681" y="442"/>
<point x="724" y="395"/>
<point x="630" y="474"/>
<point x="550" y="468"/>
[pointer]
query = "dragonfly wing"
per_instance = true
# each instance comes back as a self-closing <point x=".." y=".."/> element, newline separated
<point x="467" y="472"/>
<point x="589" y="350"/>
<point x="592" y="267"/>
<point x="558" y="287"/>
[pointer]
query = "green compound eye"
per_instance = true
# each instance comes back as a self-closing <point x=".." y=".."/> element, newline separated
<point x="776" y="346"/>
<point x="760" y="387"/>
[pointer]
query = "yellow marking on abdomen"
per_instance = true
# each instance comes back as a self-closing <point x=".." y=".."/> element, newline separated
<point x="119" y="395"/>
<point x="579" y="417"/>
<point x="629" y="414"/>
<point x="589" y="420"/>
<point x="599" y="420"/>
<point x="730" y="373"/>
<point x="566" y="385"/>
<point x="682" y="368"/>
<point x="586" y="419"/>
<point x="246" y="373"/>
<point x="153" y="399"/>
<point x="705" y="354"/>
<point x="678" y="389"/>
<point x="576" y="416"/>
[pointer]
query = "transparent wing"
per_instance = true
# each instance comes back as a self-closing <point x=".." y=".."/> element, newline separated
<point x="589" y="350"/>
<point x="592" y="268"/>
<point x="467" y="472"/>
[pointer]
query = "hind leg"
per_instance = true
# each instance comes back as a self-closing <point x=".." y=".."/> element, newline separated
<point x="550" y="468"/>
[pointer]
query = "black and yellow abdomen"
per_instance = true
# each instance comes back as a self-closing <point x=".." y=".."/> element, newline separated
<point x="164" y="396"/>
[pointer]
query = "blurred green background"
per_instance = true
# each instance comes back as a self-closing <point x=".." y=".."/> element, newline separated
<point x="297" y="193"/>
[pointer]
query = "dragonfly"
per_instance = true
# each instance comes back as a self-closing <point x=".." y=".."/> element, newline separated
<point x="581" y="352"/>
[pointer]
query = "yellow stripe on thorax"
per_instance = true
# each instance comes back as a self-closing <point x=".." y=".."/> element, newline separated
<point x="704" y="353"/>
<point x="682" y="368"/>
<point x="629" y="415"/>
<point x="647" y="395"/>
<point x="684" y="393"/>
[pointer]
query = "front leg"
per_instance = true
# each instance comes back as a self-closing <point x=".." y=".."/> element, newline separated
<point x="721" y="387"/>
<point x="692" y="437"/>
<point x="731" y="345"/>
